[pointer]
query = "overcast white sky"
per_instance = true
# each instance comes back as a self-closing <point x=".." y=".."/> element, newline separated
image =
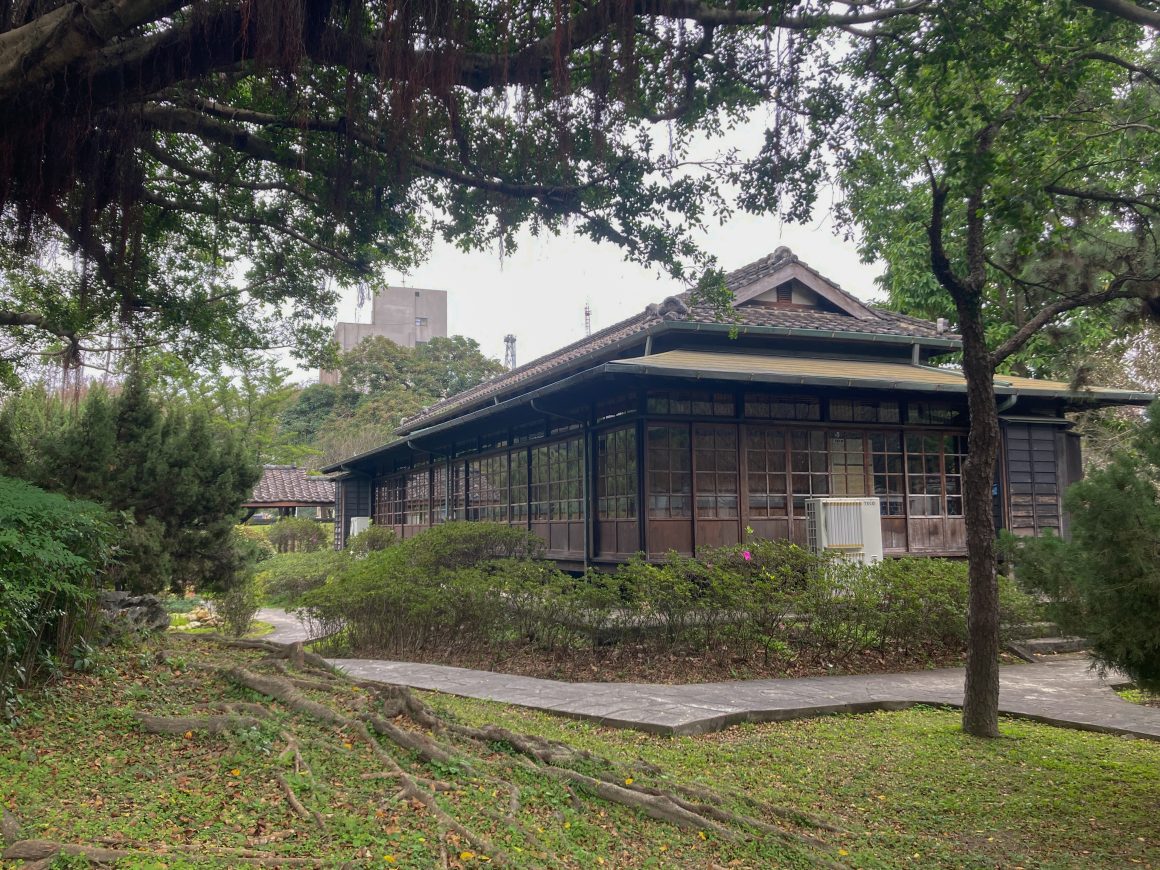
<point x="538" y="292"/>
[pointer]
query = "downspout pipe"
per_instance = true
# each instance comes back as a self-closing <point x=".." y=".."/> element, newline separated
<point x="587" y="472"/>
<point x="1007" y="404"/>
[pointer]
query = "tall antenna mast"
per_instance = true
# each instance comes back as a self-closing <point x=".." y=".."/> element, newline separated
<point x="587" y="320"/>
<point x="509" y="352"/>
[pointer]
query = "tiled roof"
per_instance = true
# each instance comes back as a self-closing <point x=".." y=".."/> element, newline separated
<point x="289" y="483"/>
<point x="680" y="308"/>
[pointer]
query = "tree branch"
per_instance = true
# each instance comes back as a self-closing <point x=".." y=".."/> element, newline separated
<point x="1126" y="10"/>
<point x="939" y="261"/>
<point x="1118" y="289"/>
<point x="1103" y="196"/>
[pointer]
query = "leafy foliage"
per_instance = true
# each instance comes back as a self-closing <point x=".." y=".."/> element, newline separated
<point x="197" y="159"/>
<point x="464" y="586"/>
<point x="52" y="551"/>
<point x="298" y="535"/>
<point x="1104" y="583"/>
<point x="286" y="577"/>
<point x="381" y="383"/>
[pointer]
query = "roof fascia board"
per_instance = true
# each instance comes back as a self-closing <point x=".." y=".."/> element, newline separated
<point x="530" y="383"/>
<point x="949" y="344"/>
<point x="816" y="282"/>
<point x="478" y="414"/>
<point x="1116" y="397"/>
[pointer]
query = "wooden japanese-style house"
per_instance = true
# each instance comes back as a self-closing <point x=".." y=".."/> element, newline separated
<point x="677" y="429"/>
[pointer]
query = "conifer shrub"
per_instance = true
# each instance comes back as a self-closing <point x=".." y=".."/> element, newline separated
<point x="1104" y="583"/>
<point x="172" y="481"/>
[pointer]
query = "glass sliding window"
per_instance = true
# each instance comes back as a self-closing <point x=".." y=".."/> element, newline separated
<point x="924" y="475"/>
<point x="886" y="465"/>
<point x="809" y="470"/>
<point x="418" y="498"/>
<point x="539" y="484"/>
<point x="761" y="406"/>
<point x="458" y="490"/>
<point x="518" y="491"/>
<point x="616" y="474"/>
<point x="715" y="460"/>
<point x="390" y="500"/>
<point x="861" y="411"/>
<point x="935" y="413"/>
<point x="439" y="494"/>
<point x="566" y="480"/>
<point x="847" y="464"/>
<point x="699" y="403"/>
<point x="954" y="455"/>
<point x="487" y="489"/>
<point x="765" y="457"/>
<point x="670" y="478"/>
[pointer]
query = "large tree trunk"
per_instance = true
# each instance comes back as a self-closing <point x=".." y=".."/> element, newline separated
<point x="981" y="693"/>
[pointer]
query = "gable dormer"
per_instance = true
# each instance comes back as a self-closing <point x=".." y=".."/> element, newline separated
<point x="781" y="280"/>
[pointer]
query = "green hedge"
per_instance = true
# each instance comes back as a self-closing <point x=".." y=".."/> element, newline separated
<point x="51" y="551"/>
<point x="470" y="585"/>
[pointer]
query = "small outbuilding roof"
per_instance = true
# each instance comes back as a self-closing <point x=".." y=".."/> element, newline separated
<point x="290" y="486"/>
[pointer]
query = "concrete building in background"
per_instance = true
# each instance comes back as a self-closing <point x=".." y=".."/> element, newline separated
<point x="403" y="314"/>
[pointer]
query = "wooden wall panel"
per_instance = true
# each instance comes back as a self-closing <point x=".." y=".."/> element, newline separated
<point x="665" y="535"/>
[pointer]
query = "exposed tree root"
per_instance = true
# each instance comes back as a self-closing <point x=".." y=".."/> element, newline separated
<point x="219" y="724"/>
<point x="297" y="806"/>
<point x="293" y="750"/>
<point x="42" y="852"/>
<point x="9" y="826"/>
<point x="403" y="735"/>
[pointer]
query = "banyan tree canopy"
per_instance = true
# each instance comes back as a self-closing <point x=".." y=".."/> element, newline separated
<point x="216" y="165"/>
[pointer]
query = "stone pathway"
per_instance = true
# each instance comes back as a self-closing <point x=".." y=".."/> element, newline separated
<point x="1064" y="692"/>
<point x="287" y="628"/>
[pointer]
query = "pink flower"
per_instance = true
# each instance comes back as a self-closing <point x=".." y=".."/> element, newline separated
<point x="746" y="555"/>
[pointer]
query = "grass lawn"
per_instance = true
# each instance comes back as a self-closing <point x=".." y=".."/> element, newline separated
<point x="258" y="628"/>
<point x="905" y="789"/>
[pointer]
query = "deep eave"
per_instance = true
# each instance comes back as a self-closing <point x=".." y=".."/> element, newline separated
<point x="453" y="409"/>
<point x="757" y="368"/>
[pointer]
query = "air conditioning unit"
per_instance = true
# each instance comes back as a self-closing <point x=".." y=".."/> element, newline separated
<point x="851" y="527"/>
<point x="358" y="525"/>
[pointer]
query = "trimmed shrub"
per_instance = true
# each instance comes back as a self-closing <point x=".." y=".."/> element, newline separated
<point x="286" y="577"/>
<point x="471" y="585"/>
<point x="298" y="535"/>
<point x="373" y="539"/>
<point x="465" y="545"/>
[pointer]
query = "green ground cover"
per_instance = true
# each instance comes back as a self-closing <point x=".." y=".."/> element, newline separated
<point x="903" y="789"/>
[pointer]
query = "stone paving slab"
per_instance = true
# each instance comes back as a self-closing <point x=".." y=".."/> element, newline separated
<point x="287" y="628"/>
<point x="1064" y="692"/>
